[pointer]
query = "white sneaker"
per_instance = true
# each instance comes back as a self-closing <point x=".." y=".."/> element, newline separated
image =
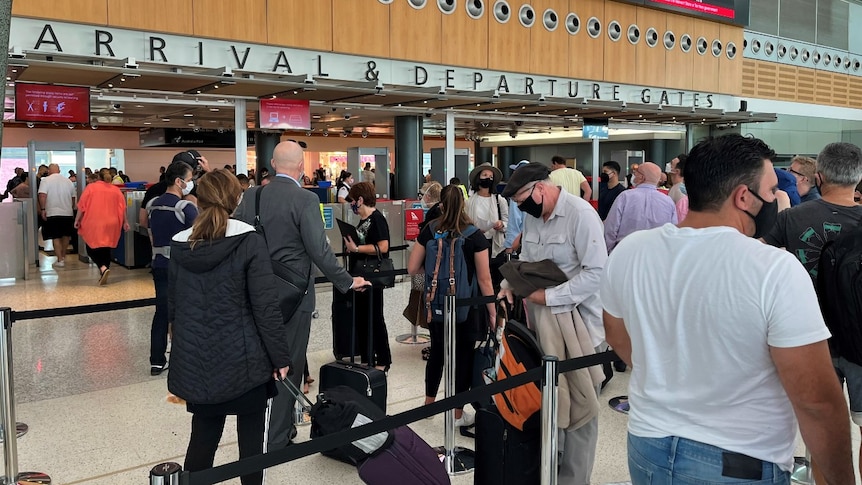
<point x="466" y="419"/>
<point x="60" y="264"/>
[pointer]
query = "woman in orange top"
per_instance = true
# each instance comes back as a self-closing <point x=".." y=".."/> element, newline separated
<point x="101" y="215"/>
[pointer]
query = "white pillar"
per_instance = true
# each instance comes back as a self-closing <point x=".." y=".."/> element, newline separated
<point x="240" y="132"/>
<point x="450" y="148"/>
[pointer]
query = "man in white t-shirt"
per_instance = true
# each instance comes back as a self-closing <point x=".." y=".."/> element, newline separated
<point x="721" y="358"/>
<point x="570" y="179"/>
<point x="57" y="205"/>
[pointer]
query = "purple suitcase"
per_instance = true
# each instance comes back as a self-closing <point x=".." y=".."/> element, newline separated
<point x="408" y="460"/>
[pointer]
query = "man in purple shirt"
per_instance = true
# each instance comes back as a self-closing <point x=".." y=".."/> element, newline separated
<point x="642" y="208"/>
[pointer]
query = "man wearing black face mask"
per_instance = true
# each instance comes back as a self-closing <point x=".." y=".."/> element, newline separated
<point x="566" y="230"/>
<point x="709" y="304"/>
<point x="804" y="229"/>
<point x="609" y="187"/>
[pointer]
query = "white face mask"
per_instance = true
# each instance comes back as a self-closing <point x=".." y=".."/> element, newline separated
<point x="190" y="185"/>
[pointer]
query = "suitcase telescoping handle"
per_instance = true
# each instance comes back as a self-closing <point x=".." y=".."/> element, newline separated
<point x="295" y="392"/>
<point x="370" y="291"/>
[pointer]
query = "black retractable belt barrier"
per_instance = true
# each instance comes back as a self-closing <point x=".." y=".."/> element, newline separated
<point x="293" y="452"/>
<point x="82" y="309"/>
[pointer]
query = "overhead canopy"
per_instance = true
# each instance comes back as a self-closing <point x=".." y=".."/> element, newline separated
<point x="157" y="94"/>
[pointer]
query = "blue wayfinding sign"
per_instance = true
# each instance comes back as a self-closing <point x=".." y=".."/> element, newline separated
<point x="593" y="132"/>
<point x="328" y="218"/>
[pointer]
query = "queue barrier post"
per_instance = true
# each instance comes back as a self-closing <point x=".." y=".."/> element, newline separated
<point x="457" y="460"/>
<point x="550" y="396"/>
<point x="166" y="474"/>
<point x="7" y="410"/>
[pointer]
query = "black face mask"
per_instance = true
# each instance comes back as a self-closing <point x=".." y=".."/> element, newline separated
<point x="604" y="178"/>
<point x="765" y="219"/>
<point x="486" y="183"/>
<point x="530" y="206"/>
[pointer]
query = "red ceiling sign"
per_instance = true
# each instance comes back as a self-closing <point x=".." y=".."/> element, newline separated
<point x="700" y="7"/>
<point x="50" y="103"/>
<point x="285" y="114"/>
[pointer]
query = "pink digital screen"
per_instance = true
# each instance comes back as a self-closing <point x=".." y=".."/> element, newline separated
<point x="51" y="103"/>
<point x="285" y="114"/>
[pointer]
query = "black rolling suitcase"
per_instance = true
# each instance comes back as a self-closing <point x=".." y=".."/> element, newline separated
<point x="342" y="345"/>
<point x="365" y="379"/>
<point x="506" y="455"/>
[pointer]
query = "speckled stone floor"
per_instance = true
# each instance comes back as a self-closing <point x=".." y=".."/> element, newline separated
<point x="96" y="416"/>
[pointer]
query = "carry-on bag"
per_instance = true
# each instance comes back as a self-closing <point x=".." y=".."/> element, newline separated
<point x="408" y="460"/>
<point x="506" y="455"/>
<point x="339" y="409"/>
<point x="365" y="379"/>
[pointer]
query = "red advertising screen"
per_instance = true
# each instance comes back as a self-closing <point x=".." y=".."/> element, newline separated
<point x="729" y="11"/>
<point x="285" y="114"/>
<point x="50" y="103"/>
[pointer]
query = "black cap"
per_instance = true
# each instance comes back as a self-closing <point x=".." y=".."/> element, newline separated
<point x="189" y="156"/>
<point x="524" y="175"/>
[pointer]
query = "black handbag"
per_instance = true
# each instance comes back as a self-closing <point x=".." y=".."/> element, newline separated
<point x="368" y="268"/>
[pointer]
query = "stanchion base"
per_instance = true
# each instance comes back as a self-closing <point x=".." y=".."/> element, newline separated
<point x="20" y="430"/>
<point x="32" y="478"/>
<point x="465" y="459"/>
<point x="410" y="339"/>
<point x="801" y="471"/>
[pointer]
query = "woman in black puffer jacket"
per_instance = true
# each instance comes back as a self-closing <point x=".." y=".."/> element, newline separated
<point x="229" y="342"/>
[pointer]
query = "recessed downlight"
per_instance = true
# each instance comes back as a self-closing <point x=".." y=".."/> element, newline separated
<point x="594" y="27"/>
<point x="502" y="12"/>
<point x="634" y="34"/>
<point x="550" y="20"/>
<point x="573" y="23"/>
<point x="475" y="8"/>
<point x="685" y="43"/>
<point x="447" y="6"/>
<point x="527" y="15"/>
<point x="669" y="40"/>
<point x="417" y="4"/>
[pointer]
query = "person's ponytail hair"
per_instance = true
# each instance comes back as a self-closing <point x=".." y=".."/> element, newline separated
<point x="218" y="195"/>
<point x="105" y="175"/>
<point x="454" y="218"/>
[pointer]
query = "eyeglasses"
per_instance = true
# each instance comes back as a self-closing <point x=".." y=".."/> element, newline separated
<point x="794" y="172"/>
<point x="523" y="190"/>
<point x="300" y="143"/>
<point x="421" y="195"/>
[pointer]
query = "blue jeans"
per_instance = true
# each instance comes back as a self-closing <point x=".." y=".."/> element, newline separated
<point x="674" y="461"/>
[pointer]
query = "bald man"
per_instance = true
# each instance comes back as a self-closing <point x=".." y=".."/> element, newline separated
<point x="57" y="196"/>
<point x="290" y="217"/>
<point x="644" y="207"/>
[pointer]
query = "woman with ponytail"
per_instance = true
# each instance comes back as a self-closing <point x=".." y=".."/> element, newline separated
<point x="229" y="343"/>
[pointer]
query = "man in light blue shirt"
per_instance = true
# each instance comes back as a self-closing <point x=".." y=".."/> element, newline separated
<point x="516" y="218"/>
<point x="642" y="208"/>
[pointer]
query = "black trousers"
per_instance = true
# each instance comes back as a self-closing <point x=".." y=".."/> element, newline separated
<point x="100" y="256"/>
<point x="206" y="434"/>
<point x="159" y="329"/>
<point x="465" y="341"/>
<point x="380" y="336"/>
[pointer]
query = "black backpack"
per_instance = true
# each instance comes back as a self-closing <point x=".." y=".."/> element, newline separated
<point x="839" y="290"/>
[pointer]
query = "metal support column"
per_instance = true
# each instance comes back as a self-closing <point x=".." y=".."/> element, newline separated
<point x="596" y="169"/>
<point x="264" y="145"/>
<point x="408" y="156"/>
<point x="240" y="132"/>
<point x="550" y="396"/>
<point x="450" y="147"/>
<point x="457" y="460"/>
<point x="7" y="409"/>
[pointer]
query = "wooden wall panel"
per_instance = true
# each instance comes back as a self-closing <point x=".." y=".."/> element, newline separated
<point x="822" y="87"/>
<point x="679" y="64"/>
<point x="854" y="91"/>
<point x="84" y="11"/>
<point x="586" y="55"/>
<point x="465" y="40"/>
<point x="509" y="43"/>
<point x="787" y="76"/>
<point x="767" y="80"/>
<point x="229" y="19"/>
<point x="619" y="56"/>
<point x="805" y="83"/>
<point x="651" y="68"/>
<point x="139" y="15"/>
<point x="730" y="70"/>
<point x="705" y="66"/>
<point x="840" y="84"/>
<point x="415" y="34"/>
<point x="550" y="50"/>
<point x="300" y="23"/>
<point x="749" y="77"/>
<point x="361" y="27"/>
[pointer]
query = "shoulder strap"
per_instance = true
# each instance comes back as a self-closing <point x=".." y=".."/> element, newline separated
<point x="452" y="266"/>
<point x="432" y="292"/>
<point x="499" y="212"/>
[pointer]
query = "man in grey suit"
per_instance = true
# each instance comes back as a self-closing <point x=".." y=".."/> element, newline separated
<point x="290" y="216"/>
